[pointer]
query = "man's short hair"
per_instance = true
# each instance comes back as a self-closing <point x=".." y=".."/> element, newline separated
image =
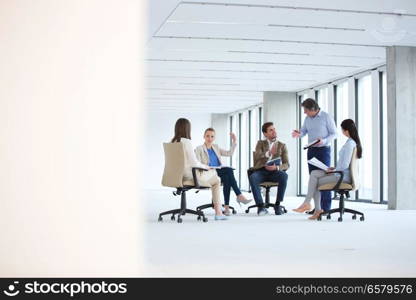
<point x="310" y="104"/>
<point x="266" y="126"/>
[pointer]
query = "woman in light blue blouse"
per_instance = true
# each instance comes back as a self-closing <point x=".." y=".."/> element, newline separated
<point x="320" y="177"/>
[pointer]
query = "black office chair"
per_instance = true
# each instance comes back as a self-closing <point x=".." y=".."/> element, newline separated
<point x="173" y="177"/>
<point x="343" y="189"/>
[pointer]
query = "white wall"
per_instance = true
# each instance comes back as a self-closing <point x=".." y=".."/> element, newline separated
<point x="69" y="108"/>
<point x="160" y="129"/>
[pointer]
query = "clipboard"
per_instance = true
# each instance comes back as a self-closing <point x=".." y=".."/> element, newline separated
<point x="311" y="144"/>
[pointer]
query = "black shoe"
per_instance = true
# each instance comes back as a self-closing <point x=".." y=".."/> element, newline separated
<point x="279" y="210"/>
<point x="261" y="211"/>
<point x="311" y="212"/>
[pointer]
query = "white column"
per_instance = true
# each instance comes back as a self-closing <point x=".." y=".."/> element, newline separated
<point x="401" y="105"/>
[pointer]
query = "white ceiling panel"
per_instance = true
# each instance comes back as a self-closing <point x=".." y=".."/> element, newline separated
<point x="357" y="27"/>
<point x="212" y="57"/>
<point x="188" y="46"/>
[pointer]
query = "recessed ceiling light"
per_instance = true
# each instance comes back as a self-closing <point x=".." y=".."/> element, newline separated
<point x="208" y="95"/>
<point x="209" y="90"/>
<point x="316" y="27"/>
<point x="211" y="22"/>
<point x="264" y="52"/>
<point x="265" y="40"/>
<point x="193" y="83"/>
<point x="336" y="10"/>
<point x="237" y="71"/>
<point x="249" y="62"/>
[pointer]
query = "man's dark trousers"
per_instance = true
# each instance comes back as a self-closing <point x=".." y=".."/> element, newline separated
<point x="262" y="175"/>
<point x="324" y="155"/>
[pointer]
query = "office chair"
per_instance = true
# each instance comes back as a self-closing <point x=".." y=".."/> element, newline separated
<point x="267" y="185"/>
<point x="343" y="189"/>
<point x="173" y="177"/>
<point x="211" y="205"/>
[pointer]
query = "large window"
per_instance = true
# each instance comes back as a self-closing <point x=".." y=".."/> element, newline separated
<point x="254" y="133"/>
<point x="304" y="170"/>
<point x="356" y="98"/>
<point x="234" y="128"/>
<point x="384" y="152"/>
<point x="342" y="112"/>
<point x="365" y="131"/>
<point x="244" y="149"/>
<point x="246" y="125"/>
<point x="323" y="99"/>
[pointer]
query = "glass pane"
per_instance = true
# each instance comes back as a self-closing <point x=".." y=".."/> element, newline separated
<point x="254" y="133"/>
<point x="323" y="100"/>
<point x="303" y="157"/>
<point x="342" y="111"/>
<point x="234" y="128"/>
<point x="244" y="151"/>
<point x="385" y="138"/>
<point x="365" y="131"/>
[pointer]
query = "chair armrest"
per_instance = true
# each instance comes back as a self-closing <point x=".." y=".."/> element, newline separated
<point x="336" y="187"/>
<point x="194" y="175"/>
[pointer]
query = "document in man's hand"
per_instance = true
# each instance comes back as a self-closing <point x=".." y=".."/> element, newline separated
<point x="311" y="144"/>
<point x="317" y="163"/>
<point x="275" y="161"/>
<point x="221" y="167"/>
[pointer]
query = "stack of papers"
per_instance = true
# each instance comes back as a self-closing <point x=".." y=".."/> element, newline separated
<point x="317" y="163"/>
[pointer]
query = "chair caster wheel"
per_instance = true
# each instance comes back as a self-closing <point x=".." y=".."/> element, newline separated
<point x="205" y="219"/>
<point x="179" y="220"/>
<point x="160" y="219"/>
<point x="319" y="218"/>
<point x="339" y="219"/>
<point x="234" y="212"/>
<point x="247" y="211"/>
<point x="354" y="217"/>
<point x="328" y="217"/>
<point x="172" y="218"/>
<point x="199" y="218"/>
<point x="362" y="218"/>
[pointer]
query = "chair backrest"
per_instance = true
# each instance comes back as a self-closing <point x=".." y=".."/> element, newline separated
<point x="174" y="165"/>
<point x="354" y="170"/>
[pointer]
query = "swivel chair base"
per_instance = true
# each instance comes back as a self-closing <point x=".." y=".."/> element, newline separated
<point x="205" y="206"/>
<point x="341" y="210"/>
<point x="183" y="210"/>
<point x="266" y="205"/>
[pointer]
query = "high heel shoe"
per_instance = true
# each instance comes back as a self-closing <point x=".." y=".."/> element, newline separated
<point x="316" y="214"/>
<point x="304" y="207"/>
<point x="245" y="201"/>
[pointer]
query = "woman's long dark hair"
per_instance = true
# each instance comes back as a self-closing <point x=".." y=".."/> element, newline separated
<point x="182" y="130"/>
<point x="349" y="126"/>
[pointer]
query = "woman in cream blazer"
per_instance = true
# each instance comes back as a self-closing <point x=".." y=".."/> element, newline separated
<point x="183" y="135"/>
<point x="210" y="154"/>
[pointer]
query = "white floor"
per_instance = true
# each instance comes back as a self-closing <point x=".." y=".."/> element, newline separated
<point x="246" y="245"/>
